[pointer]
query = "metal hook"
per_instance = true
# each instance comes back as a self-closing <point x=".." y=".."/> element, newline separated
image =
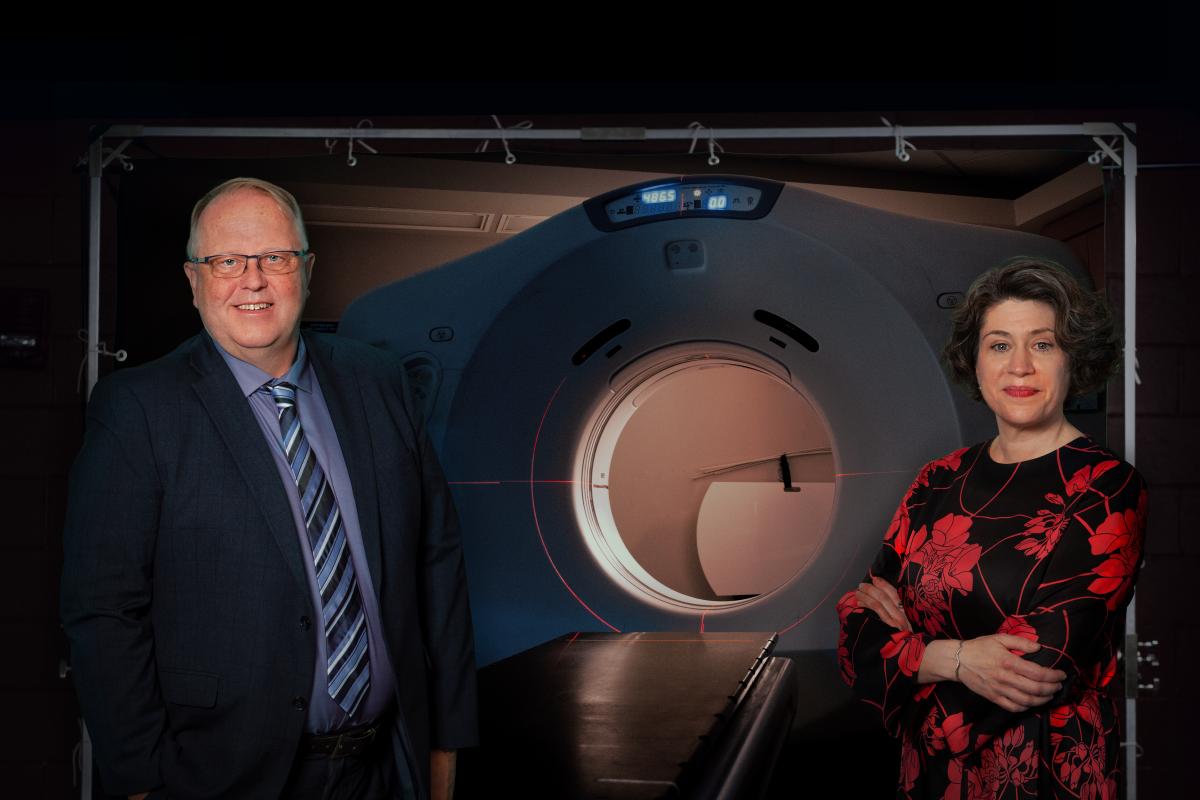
<point x="713" y="145"/>
<point x="1106" y="149"/>
<point x="351" y="160"/>
<point x="1137" y="747"/>
<point x="102" y="349"/>
<point x="696" y="128"/>
<point x="110" y="153"/>
<point x="125" y="161"/>
<point x="902" y="145"/>
<point x="509" y="158"/>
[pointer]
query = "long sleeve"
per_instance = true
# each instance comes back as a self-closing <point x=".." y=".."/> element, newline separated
<point x="1083" y="550"/>
<point x="879" y="662"/>
<point x="1046" y="549"/>
<point x="108" y="543"/>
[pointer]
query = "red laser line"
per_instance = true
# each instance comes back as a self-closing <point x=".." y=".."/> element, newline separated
<point x="538" y="525"/>
<point x="832" y="589"/>
<point x="554" y="566"/>
<point x="562" y="652"/>
<point x="497" y="483"/>
<point x="522" y="481"/>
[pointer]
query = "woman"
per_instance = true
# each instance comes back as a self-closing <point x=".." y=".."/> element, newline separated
<point x="986" y="632"/>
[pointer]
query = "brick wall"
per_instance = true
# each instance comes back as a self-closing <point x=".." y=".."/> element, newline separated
<point x="1168" y="433"/>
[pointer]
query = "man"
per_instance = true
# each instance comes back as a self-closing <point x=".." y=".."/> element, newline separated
<point x="263" y="583"/>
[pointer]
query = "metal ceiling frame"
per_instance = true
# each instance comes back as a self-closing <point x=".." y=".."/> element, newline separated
<point x="1126" y="158"/>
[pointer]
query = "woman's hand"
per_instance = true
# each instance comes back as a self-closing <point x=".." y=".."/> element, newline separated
<point x="990" y="670"/>
<point x="882" y="598"/>
<point x="986" y="665"/>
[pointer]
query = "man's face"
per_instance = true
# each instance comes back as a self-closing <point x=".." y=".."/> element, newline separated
<point x="255" y="317"/>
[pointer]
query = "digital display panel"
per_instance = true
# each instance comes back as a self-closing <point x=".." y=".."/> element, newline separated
<point x="686" y="198"/>
<point x="654" y="196"/>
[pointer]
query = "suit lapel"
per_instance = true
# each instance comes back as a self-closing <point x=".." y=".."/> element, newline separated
<point x="231" y="415"/>
<point x="343" y="396"/>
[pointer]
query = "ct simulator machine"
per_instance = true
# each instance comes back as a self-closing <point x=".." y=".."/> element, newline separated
<point x="685" y="407"/>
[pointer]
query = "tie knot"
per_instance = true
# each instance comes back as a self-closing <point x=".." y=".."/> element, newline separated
<point x="282" y="392"/>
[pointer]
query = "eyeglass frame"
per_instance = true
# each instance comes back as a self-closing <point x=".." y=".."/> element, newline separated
<point x="299" y="255"/>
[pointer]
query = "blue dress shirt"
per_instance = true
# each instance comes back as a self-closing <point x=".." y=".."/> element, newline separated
<point x="324" y="715"/>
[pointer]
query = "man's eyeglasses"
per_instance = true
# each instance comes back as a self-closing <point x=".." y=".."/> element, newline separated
<point x="231" y="265"/>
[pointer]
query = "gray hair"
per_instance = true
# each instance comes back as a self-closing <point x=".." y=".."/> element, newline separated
<point x="287" y="203"/>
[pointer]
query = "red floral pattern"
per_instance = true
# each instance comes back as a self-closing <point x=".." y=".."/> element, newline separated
<point x="945" y="559"/>
<point x="1018" y="626"/>
<point x="1083" y="478"/>
<point x="1011" y="762"/>
<point x="907" y="650"/>
<point x="1118" y="537"/>
<point x="1046" y="526"/>
<point x="952" y="734"/>
<point x="1047" y="550"/>
<point x="910" y="765"/>
<point x="900" y="521"/>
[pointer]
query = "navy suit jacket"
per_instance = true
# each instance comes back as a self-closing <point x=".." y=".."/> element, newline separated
<point x="184" y="596"/>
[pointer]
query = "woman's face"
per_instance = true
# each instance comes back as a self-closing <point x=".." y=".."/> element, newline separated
<point x="1023" y="374"/>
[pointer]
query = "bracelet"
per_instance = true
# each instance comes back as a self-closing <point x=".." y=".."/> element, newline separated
<point x="958" y="659"/>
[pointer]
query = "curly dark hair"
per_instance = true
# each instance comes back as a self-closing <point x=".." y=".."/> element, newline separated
<point x="1083" y="324"/>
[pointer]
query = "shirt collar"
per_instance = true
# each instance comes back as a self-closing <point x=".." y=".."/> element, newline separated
<point x="250" y="378"/>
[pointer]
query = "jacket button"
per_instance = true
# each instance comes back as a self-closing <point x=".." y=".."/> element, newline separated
<point x="299" y="703"/>
<point x="305" y="623"/>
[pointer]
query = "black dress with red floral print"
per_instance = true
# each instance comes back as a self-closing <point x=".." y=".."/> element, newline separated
<point x="1046" y="549"/>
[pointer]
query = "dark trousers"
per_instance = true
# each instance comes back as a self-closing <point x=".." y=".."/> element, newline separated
<point x="364" y="776"/>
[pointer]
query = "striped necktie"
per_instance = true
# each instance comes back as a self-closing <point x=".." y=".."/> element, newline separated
<point x="347" y="667"/>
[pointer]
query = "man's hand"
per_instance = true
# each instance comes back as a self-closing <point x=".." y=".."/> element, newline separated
<point x="882" y="598"/>
<point x="441" y="772"/>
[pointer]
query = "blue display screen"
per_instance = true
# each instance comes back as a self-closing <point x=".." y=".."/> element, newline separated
<point x="682" y="199"/>
<point x="654" y="196"/>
